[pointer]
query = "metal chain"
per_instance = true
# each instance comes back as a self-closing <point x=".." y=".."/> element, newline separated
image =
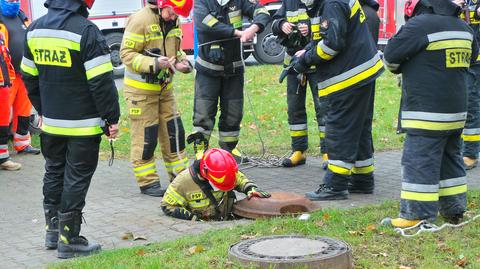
<point x="425" y="226"/>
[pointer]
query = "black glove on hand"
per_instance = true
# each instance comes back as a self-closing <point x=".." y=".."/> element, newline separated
<point x="216" y="54"/>
<point x="299" y="64"/>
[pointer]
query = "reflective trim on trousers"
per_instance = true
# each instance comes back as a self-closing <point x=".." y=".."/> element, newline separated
<point x="143" y="170"/>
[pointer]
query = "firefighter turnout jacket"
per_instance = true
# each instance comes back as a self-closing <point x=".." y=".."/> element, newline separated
<point x="76" y="94"/>
<point x="185" y="199"/>
<point x="444" y="47"/>
<point x="216" y="25"/>
<point x="471" y="17"/>
<point x="344" y="34"/>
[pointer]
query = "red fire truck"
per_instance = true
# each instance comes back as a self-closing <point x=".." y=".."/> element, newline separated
<point x="110" y="16"/>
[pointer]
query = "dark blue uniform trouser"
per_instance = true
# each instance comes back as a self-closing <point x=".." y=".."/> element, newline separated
<point x="471" y="133"/>
<point x="297" y="114"/>
<point x="433" y="177"/>
<point x="349" y="137"/>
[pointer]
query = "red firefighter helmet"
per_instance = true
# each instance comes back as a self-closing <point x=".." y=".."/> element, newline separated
<point x="181" y="7"/>
<point x="88" y="3"/>
<point x="410" y="7"/>
<point x="220" y="168"/>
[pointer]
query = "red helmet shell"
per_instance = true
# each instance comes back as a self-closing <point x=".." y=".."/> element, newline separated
<point x="220" y="168"/>
<point x="89" y="3"/>
<point x="181" y="7"/>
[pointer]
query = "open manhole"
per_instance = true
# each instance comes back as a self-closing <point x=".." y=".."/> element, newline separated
<point x="279" y="204"/>
<point x="292" y="251"/>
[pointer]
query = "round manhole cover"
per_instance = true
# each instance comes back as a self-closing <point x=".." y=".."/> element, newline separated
<point x="291" y="251"/>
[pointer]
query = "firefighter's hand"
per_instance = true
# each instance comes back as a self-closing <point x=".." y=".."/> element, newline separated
<point x="287" y="27"/>
<point x="478" y="11"/>
<point x="299" y="53"/>
<point x="184" y="67"/>
<point x="254" y="192"/>
<point x="164" y="62"/>
<point x="299" y="65"/>
<point x="459" y="3"/>
<point x="249" y="33"/>
<point x="303" y="29"/>
<point x="238" y="33"/>
<point x="113" y="129"/>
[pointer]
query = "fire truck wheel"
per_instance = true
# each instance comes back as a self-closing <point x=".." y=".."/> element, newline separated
<point x="114" y="41"/>
<point x="267" y="49"/>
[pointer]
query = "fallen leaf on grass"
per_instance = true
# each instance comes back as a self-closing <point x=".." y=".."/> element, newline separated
<point x="462" y="262"/>
<point x="252" y="126"/>
<point x="274" y="229"/>
<point x="247" y="236"/>
<point x="195" y="249"/>
<point x="127" y="236"/>
<point x="404" y="267"/>
<point x="356" y="233"/>
<point x="371" y="227"/>
<point x="326" y="216"/>
<point x="140" y="252"/>
<point x="319" y="223"/>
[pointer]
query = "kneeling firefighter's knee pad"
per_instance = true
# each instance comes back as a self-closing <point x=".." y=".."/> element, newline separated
<point x="150" y="141"/>
<point x="176" y="131"/>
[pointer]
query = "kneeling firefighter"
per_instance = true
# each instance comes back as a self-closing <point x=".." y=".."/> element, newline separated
<point x="205" y="190"/>
<point x="151" y="52"/>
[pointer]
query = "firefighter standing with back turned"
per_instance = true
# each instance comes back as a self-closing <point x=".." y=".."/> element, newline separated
<point x="347" y="65"/>
<point x="13" y="25"/>
<point x="68" y="75"/>
<point x="151" y="51"/>
<point x="433" y="51"/>
<point x="220" y="69"/>
<point x="291" y="25"/>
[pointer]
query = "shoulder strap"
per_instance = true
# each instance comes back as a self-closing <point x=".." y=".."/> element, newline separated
<point x="206" y="190"/>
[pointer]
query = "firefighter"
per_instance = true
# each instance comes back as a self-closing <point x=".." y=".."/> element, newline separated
<point x="220" y="69"/>
<point x="205" y="190"/>
<point x="151" y="52"/>
<point x="370" y="7"/>
<point x="68" y="74"/>
<point x="433" y="51"/>
<point x="471" y="132"/>
<point x="291" y="25"/>
<point x="347" y="65"/>
<point x="7" y="73"/>
<point x="13" y="25"/>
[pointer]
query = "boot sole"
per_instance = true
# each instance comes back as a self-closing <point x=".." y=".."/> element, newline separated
<point x="70" y="255"/>
<point x="327" y="199"/>
<point x="288" y="165"/>
<point x="51" y="246"/>
<point x="360" y="192"/>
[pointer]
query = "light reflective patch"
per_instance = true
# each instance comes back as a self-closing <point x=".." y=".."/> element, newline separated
<point x="135" y="111"/>
<point x="129" y="44"/>
<point x="196" y="196"/>
<point x="52" y="56"/>
<point x="154" y="28"/>
<point x="458" y="57"/>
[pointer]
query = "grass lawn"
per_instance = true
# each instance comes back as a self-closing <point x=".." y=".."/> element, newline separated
<point x="373" y="246"/>
<point x="269" y="101"/>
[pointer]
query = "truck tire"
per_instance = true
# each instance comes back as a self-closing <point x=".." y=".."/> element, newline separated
<point x="114" y="41"/>
<point x="267" y="49"/>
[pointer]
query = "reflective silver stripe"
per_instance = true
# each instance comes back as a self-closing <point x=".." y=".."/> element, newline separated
<point x="419" y="187"/>
<point x="321" y="129"/>
<point x="29" y="63"/>
<point x="350" y="73"/>
<point x="315" y="20"/>
<point x="97" y="61"/>
<point x="298" y="127"/>
<point x="351" y="3"/>
<point x="207" y="19"/>
<point x="391" y="66"/>
<point x="73" y="123"/>
<point x="133" y="76"/>
<point x="364" y="163"/>
<point x="153" y="167"/>
<point x="260" y="10"/>
<point x="5" y="153"/>
<point x="19" y="136"/>
<point x="238" y="64"/>
<point x="234" y="13"/>
<point x="449" y="35"/>
<point x="22" y="143"/>
<point x="208" y="65"/>
<point x="327" y="49"/>
<point x="430" y="116"/>
<point x="55" y="33"/>
<point x="452" y="182"/>
<point x="292" y="13"/>
<point x="341" y="164"/>
<point x="3" y="146"/>
<point x="474" y="131"/>
<point x="202" y="130"/>
<point x="233" y="133"/>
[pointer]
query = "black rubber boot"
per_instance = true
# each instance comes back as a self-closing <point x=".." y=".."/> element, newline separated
<point x="71" y="244"/>
<point x="324" y="193"/>
<point x="51" y="226"/>
<point x="153" y="189"/>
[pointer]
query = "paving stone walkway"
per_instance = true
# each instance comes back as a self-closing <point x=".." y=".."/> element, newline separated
<point x="115" y="205"/>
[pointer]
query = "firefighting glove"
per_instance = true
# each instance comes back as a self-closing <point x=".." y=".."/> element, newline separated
<point x="254" y="192"/>
<point x="286" y="71"/>
<point x="299" y="64"/>
<point x="182" y="213"/>
<point x="216" y="53"/>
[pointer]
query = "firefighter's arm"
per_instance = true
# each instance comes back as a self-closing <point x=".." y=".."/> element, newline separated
<point x="475" y="50"/>
<point x="248" y="187"/>
<point x="206" y="23"/>
<point x="258" y="13"/>
<point x="409" y="41"/>
<point x="95" y="56"/>
<point x="30" y="78"/>
<point x="278" y="19"/>
<point x="175" y="205"/>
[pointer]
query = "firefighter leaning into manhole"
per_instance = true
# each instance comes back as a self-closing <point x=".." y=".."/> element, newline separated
<point x="220" y="69"/>
<point x="433" y="52"/>
<point x="205" y="190"/>
<point x="13" y="25"/>
<point x="291" y="25"/>
<point x="471" y="133"/>
<point x="151" y="52"/>
<point x="69" y="77"/>
<point x="347" y="64"/>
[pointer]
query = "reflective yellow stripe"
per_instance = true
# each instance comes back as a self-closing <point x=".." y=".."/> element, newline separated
<point x="339" y="170"/>
<point x="98" y="70"/>
<point x="363" y="170"/>
<point x="145" y="86"/>
<point x="29" y="70"/>
<point x="298" y="133"/>
<point x="352" y="80"/>
<point x="228" y="138"/>
<point x="453" y="190"/>
<point x="323" y="54"/>
<point x="419" y="196"/>
<point x="176" y="196"/>
<point x="137" y="62"/>
<point x="175" y="33"/>
<point x="471" y="138"/>
<point x="147" y="172"/>
<point x="356" y="7"/>
<point x="448" y="44"/>
<point x="478" y="58"/>
<point x="134" y="37"/>
<point x="199" y="203"/>
<point x="79" y="131"/>
<point x="322" y="135"/>
<point x="434" y="126"/>
<point x="153" y="38"/>
<point x="145" y="166"/>
<point x="49" y="42"/>
<point x="145" y="169"/>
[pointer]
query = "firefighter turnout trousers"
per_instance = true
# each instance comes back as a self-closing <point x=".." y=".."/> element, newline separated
<point x="21" y="109"/>
<point x="349" y="137"/>
<point x="154" y="120"/>
<point x="471" y="133"/>
<point x="208" y="91"/>
<point x="433" y="177"/>
<point x="70" y="164"/>
<point x="297" y="114"/>
<point x="4" y="123"/>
